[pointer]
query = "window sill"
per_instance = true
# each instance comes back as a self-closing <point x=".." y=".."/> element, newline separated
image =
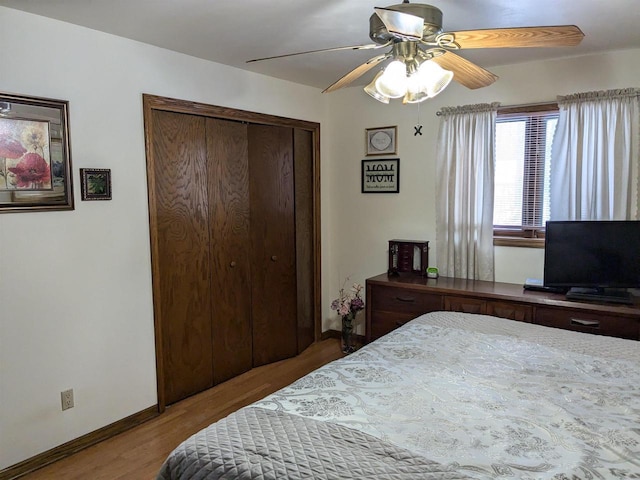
<point x="518" y="242"/>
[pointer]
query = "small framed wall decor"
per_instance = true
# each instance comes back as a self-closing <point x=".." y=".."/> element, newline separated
<point x="95" y="183"/>
<point x="381" y="141"/>
<point x="35" y="154"/>
<point x="381" y="175"/>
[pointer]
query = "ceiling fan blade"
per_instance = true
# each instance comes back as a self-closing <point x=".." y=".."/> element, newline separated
<point x="465" y="72"/>
<point x="371" y="46"/>
<point x="356" y="73"/>
<point x="554" y="36"/>
<point x="403" y="25"/>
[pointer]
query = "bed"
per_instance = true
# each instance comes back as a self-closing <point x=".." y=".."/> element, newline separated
<point x="447" y="396"/>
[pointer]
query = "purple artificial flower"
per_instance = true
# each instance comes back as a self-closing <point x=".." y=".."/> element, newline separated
<point x="357" y="304"/>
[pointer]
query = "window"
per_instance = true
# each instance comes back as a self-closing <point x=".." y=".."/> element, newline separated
<point x="523" y="151"/>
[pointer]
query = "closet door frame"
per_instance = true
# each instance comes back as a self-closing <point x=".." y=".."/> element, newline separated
<point x="153" y="103"/>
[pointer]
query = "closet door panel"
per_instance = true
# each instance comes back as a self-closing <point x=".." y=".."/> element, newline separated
<point x="271" y="187"/>
<point x="304" y="233"/>
<point x="229" y="226"/>
<point x="181" y="246"/>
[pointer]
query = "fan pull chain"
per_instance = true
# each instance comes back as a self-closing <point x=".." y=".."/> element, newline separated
<point x="418" y="127"/>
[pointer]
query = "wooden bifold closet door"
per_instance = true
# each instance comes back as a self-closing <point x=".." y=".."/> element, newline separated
<point x="182" y="265"/>
<point x="229" y="242"/>
<point x="231" y="214"/>
<point x="272" y="243"/>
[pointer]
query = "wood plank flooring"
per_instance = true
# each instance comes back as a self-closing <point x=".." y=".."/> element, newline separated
<point x="138" y="453"/>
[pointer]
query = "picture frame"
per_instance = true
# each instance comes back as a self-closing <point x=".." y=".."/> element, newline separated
<point x="380" y="175"/>
<point x="95" y="183"/>
<point x="381" y="141"/>
<point x="35" y="154"/>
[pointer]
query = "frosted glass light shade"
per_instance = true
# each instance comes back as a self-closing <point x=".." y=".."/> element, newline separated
<point x="416" y="90"/>
<point x="434" y="78"/>
<point x="415" y="97"/>
<point x="371" y="90"/>
<point x="393" y="82"/>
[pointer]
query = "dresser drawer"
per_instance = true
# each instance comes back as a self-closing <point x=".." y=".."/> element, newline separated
<point x="588" y="322"/>
<point x="511" y="311"/>
<point x="465" y="305"/>
<point x="384" y="322"/>
<point x="401" y="300"/>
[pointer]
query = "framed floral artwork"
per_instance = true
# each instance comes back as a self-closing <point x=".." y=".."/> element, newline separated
<point x="96" y="183"/>
<point x="35" y="154"/>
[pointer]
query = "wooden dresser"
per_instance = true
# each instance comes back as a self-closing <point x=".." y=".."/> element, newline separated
<point x="394" y="300"/>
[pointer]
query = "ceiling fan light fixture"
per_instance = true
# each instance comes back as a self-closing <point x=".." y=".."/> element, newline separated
<point x="414" y="83"/>
<point x="393" y="81"/>
<point x="415" y="34"/>
<point x="373" y="92"/>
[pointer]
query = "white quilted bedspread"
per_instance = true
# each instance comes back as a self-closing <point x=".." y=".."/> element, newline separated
<point x="254" y="443"/>
<point x="491" y="398"/>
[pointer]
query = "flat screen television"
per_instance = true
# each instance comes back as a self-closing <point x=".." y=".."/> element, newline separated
<point x="593" y="260"/>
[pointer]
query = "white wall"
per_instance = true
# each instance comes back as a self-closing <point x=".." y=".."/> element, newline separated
<point x="362" y="224"/>
<point x="75" y="287"/>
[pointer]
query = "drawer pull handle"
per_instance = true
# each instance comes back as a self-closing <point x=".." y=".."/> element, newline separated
<point x="585" y="323"/>
<point x="406" y="299"/>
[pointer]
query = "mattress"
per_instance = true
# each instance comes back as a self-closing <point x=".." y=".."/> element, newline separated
<point x="448" y="395"/>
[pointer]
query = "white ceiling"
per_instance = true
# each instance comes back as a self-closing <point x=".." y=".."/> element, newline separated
<point x="231" y="32"/>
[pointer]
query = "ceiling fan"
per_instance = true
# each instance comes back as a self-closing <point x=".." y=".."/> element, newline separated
<point x="417" y="42"/>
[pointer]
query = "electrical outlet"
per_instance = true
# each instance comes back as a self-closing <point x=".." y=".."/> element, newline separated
<point x="67" y="399"/>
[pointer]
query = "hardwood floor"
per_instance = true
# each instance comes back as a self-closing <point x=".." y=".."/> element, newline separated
<point x="138" y="453"/>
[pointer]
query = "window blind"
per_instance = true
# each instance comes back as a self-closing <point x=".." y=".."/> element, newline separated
<point x="523" y="152"/>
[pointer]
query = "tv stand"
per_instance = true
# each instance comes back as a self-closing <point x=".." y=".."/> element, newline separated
<point x="605" y="295"/>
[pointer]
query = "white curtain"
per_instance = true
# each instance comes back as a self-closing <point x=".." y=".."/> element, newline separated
<point x="594" y="158"/>
<point x="464" y="196"/>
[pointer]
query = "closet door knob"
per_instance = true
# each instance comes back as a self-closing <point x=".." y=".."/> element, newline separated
<point x="274" y="258"/>
<point x="232" y="264"/>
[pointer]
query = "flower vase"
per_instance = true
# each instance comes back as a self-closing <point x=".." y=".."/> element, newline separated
<point x="347" y="334"/>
